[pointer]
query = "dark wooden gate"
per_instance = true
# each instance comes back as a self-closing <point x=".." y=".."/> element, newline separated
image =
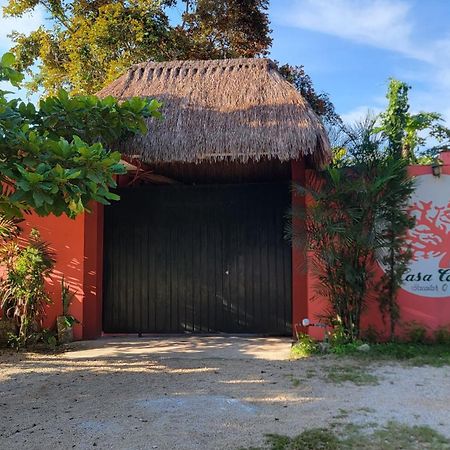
<point x="199" y="259"/>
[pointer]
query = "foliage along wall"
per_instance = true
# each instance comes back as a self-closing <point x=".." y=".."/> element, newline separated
<point x="425" y="294"/>
<point x="425" y="297"/>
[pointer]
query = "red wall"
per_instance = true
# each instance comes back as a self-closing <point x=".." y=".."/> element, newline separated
<point x="78" y="247"/>
<point x="430" y="312"/>
<point x="77" y="244"/>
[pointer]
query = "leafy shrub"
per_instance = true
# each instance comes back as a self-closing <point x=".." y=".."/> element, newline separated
<point x="346" y="348"/>
<point x="416" y="333"/>
<point x="44" y="338"/>
<point x="22" y="292"/>
<point x="442" y="335"/>
<point x="48" y="338"/>
<point x="338" y="335"/>
<point x="316" y="438"/>
<point x="371" y="335"/>
<point x="305" y="346"/>
<point x="67" y="297"/>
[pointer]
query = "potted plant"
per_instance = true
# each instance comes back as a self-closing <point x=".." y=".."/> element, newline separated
<point x="65" y="322"/>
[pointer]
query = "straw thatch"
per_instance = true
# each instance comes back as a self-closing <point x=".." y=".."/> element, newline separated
<point x="234" y="109"/>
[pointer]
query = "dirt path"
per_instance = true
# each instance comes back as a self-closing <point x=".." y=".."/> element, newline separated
<point x="198" y="393"/>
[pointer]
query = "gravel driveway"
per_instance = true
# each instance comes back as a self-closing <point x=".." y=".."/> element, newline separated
<point x="198" y="393"/>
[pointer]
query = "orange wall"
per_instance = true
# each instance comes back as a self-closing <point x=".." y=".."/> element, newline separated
<point x="430" y="312"/>
<point x="78" y="245"/>
<point x="75" y="243"/>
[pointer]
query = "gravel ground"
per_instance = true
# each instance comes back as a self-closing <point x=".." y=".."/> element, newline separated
<point x="198" y="393"/>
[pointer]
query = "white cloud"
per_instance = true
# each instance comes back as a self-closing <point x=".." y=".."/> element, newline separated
<point x="359" y="113"/>
<point x="383" y="24"/>
<point x="441" y="61"/>
<point x="24" y="24"/>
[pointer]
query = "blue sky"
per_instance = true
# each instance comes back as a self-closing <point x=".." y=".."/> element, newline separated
<point x="351" y="47"/>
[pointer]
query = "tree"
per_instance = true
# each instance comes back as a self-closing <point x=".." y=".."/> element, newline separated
<point x="89" y="44"/>
<point x="405" y="134"/>
<point x="319" y="102"/>
<point x="56" y="158"/>
<point x="225" y="29"/>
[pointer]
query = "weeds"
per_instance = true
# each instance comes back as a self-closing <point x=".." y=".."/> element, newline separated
<point x="416" y="333"/>
<point x="304" y="347"/>
<point x="392" y="436"/>
<point x="414" y="354"/>
<point x="442" y="335"/>
<point x="355" y="375"/>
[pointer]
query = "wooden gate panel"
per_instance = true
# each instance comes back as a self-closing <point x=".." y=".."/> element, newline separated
<point x="200" y="259"/>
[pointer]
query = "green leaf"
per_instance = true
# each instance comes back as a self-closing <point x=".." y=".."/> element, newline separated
<point x="8" y="59"/>
<point x="112" y="196"/>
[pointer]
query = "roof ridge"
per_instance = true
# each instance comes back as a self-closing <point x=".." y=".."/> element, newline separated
<point x="206" y="62"/>
<point x="176" y="68"/>
<point x="245" y="63"/>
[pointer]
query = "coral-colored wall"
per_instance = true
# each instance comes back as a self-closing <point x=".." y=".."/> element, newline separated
<point x="77" y="246"/>
<point x="432" y="312"/>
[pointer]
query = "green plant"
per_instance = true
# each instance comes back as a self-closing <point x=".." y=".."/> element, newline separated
<point x="345" y="348"/>
<point x="346" y="226"/>
<point x="22" y="291"/>
<point x="48" y="338"/>
<point x="414" y="354"/>
<point x="67" y="297"/>
<point x="56" y="158"/>
<point x="416" y="333"/>
<point x="442" y="335"/>
<point x="391" y="436"/>
<point x="305" y="346"/>
<point x="352" y="374"/>
<point x="338" y="335"/>
<point x="404" y="133"/>
<point x="316" y="438"/>
<point x="14" y="341"/>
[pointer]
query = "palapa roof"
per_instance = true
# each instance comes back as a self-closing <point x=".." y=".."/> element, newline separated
<point x="233" y="109"/>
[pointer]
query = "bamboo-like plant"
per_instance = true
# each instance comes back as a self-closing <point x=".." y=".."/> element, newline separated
<point x="348" y="222"/>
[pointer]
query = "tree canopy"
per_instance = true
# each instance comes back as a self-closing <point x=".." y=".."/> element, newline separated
<point x="89" y="44"/>
<point x="57" y="157"/>
<point x="225" y="29"/>
<point x="319" y="102"/>
<point x="407" y="133"/>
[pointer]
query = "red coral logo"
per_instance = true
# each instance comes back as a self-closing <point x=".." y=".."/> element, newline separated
<point x="430" y="238"/>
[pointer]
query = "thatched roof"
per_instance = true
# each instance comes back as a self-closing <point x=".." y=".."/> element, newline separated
<point x="234" y="109"/>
